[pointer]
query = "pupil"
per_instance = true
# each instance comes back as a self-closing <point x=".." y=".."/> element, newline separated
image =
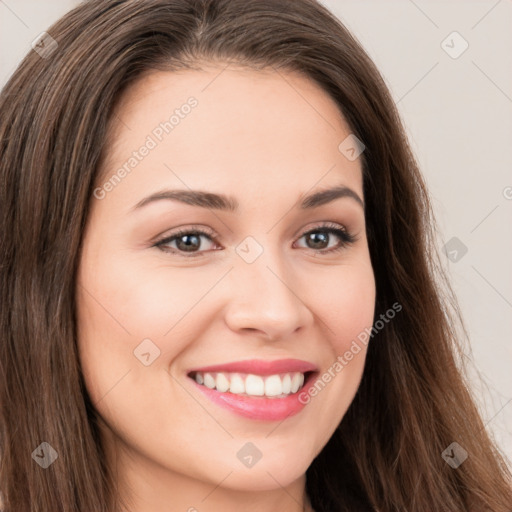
<point x="318" y="238"/>
<point x="188" y="246"/>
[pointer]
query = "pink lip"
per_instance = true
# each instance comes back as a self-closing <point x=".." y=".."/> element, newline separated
<point x="260" y="408"/>
<point x="260" y="367"/>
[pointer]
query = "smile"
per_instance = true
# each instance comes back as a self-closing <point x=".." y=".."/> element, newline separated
<point x="279" y="385"/>
<point x="256" y="389"/>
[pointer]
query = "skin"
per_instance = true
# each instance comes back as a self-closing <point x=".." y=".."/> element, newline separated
<point x="267" y="139"/>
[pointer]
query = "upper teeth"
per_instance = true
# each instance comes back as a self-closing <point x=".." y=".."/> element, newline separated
<point x="253" y="385"/>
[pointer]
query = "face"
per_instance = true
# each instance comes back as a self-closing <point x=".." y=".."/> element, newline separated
<point x="205" y="323"/>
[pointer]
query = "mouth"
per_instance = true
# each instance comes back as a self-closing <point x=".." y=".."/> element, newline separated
<point x="259" y="390"/>
<point x="278" y="385"/>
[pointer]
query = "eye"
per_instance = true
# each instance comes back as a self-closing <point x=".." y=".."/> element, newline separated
<point x="320" y="236"/>
<point x="188" y="242"/>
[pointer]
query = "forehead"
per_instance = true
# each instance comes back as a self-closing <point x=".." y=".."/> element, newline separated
<point x="249" y="130"/>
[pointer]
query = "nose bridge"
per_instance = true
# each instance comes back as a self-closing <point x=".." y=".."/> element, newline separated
<point x="264" y="297"/>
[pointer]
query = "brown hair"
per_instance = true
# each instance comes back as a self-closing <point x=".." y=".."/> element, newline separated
<point x="413" y="400"/>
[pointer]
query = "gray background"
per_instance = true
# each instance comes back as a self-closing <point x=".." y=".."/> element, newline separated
<point x="458" y="114"/>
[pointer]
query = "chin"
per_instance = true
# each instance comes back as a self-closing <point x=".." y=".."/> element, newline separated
<point x="265" y="477"/>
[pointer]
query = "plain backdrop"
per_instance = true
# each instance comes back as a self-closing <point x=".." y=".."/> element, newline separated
<point x="448" y="65"/>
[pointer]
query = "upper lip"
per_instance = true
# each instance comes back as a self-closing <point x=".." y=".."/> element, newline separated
<point x="260" y="367"/>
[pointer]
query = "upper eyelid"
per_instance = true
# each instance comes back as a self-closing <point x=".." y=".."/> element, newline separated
<point x="213" y="234"/>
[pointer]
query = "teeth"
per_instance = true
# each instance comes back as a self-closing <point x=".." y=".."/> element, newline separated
<point x="297" y="381"/>
<point x="252" y="385"/>
<point x="287" y="384"/>
<point x="237" y="385"/>
<point x="209" y="381"/>
<point x="221" y="383"/>
<point x="273" y="386"/>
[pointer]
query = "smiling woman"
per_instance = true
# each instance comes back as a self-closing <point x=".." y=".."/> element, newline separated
<point x="230" y="306"/>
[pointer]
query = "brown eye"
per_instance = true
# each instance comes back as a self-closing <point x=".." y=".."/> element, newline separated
<point x="184" y="242"/>
<point x="320" y="237"/>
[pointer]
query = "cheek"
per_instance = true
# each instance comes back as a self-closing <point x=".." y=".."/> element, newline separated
<point x="122" y="303"/>
<point x="131" y="300"/>
<point x="348" y="300"/>
<point x="345" y="303"/>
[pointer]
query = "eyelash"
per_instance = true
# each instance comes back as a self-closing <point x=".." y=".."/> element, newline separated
<point x="345" y="237"/>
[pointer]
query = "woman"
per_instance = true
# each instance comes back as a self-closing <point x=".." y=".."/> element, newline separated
<point x="218" y="277"/>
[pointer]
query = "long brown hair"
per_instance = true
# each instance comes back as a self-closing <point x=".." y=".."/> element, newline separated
<point x="413" y="400"/>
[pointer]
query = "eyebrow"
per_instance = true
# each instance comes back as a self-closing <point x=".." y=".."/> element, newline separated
<point x="230" y="204"/>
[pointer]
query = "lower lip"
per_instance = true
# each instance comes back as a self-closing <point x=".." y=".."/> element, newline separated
<point x="260" y="407"/>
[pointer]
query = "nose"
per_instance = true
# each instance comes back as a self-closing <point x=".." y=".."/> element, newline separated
<point x="266" y="299"/>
